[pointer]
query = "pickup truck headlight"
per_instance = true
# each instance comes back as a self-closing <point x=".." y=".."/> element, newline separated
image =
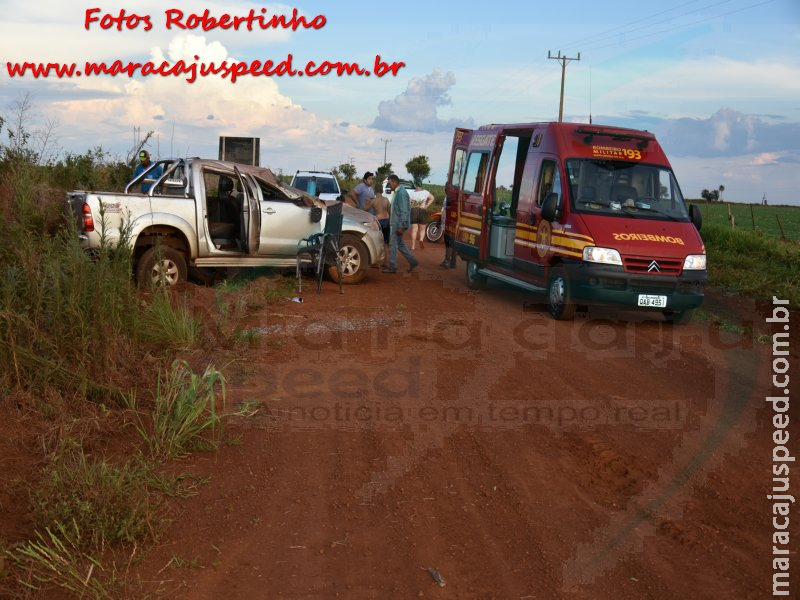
<point x="606" y="256"/>
<point x="695" y="262"/>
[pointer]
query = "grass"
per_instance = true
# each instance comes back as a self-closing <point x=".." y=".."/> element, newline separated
<point x="74" y="334"/>
<point x="111" y="503"/>
<point x="58" y="558"/>
<point x="168" y="323"/>
<point x="753" y="264"/>
<point x="185" y="414"/>
<point x="184" y="485"/>
<point x="752" y="217"/>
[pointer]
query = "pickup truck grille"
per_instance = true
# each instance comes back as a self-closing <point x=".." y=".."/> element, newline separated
<point x="652" y="266"/>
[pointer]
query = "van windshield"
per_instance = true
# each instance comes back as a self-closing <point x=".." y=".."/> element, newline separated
<point x="626" y="189"/>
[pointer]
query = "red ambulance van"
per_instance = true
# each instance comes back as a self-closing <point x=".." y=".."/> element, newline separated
<point x="585" y="214"/>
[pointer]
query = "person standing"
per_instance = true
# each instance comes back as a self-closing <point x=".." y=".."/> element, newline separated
<point x="420" y="201"/>
<point x="144" y="164"/>
<point x="399" y="221"/>
<point x="363" y="192"/>
<point x="381" y="208"/>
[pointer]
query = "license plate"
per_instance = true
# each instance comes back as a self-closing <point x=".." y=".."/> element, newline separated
<point x="653" y="301"/>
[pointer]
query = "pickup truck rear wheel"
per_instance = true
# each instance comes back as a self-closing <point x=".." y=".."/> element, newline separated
<point x="355" y="260"/>
<point x="161" y="265"/>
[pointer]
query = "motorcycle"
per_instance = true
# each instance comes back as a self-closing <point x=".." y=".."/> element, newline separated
<point x="434" y="229"/>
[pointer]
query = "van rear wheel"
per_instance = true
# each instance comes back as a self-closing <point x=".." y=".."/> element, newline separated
<point x="559" y="301"/>
<point x="475" y="280"/>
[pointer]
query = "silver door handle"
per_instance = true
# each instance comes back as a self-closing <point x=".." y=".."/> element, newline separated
<point x="269" y="211"/>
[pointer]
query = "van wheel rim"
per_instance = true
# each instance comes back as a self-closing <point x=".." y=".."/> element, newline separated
<point x="557" y="293"/>
<point x="472" y="269"/>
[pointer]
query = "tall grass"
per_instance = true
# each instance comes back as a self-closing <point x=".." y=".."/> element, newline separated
<point x="753" y="264"/>
<point x="58" y="557"/>
<point x="168" y="323"/>
<point x="186" y="414"/>
<point x="111" y="503"/>
<point x="65" y="318"/>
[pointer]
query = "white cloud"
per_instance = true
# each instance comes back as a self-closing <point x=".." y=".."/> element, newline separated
<point x="54" y="31"/>
<point x="416" y="109"/>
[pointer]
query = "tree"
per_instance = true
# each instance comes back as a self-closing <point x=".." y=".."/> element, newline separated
<point x="712" y="195"/>
<point x="383" y="172"/>
<point x="419" y="168"/>
<point x="347" y="171"/>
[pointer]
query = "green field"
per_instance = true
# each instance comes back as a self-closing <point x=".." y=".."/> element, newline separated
<point x="767" y="219"/>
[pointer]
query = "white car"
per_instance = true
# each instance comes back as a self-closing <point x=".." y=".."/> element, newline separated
<point x="325" y="182"/>
<point x="389" y="192"/>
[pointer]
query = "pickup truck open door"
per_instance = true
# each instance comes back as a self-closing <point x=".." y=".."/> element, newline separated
<point x="251" y="213"/>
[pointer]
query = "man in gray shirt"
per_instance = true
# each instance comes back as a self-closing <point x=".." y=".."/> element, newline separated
<point x="363" y="192"/>
<point x="399" y="221"/>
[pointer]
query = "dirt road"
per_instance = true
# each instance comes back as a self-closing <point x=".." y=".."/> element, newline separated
<point x="411" y="438"/>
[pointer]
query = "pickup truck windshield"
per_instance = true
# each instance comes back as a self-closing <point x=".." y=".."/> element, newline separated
<point x="625" y="189"/>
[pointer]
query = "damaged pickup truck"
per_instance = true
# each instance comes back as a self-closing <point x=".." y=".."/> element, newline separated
<point x="213" y="214"/>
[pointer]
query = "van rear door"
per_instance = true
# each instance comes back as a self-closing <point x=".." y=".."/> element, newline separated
<point x="455" y="177"/>
<point x="475" y="201"/>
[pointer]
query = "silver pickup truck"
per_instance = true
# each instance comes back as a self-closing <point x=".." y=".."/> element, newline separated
<point x="211" y="213"/>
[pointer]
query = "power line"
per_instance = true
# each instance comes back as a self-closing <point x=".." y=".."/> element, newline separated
<point x="681" y="26"/>
<point x="609" y="32"/>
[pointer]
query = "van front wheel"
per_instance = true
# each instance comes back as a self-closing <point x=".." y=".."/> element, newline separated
<point x="679" y="317"/>
<point x="559" y="303"/>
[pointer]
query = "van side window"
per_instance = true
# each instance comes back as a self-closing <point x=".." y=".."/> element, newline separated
<point x="549" y="181"/>
<point x="457" y="168"/>
<point x="476" y="172"/>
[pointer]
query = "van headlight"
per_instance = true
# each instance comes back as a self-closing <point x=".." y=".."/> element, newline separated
<point x="606" y="256"/>
<point x="695" y="262"/>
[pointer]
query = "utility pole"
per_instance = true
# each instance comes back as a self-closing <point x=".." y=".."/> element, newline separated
<point x="385" y="145"/>
<point x="563" y="60"/>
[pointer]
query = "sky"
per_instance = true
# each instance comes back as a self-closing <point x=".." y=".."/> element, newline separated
<point x="717" y="81"/>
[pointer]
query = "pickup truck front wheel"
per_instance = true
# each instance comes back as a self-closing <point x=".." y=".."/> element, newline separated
<point x="161" y="265"/>
<point x="355" y="260"/>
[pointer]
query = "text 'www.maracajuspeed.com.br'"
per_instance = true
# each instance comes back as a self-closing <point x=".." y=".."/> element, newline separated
<point x="191" y="70"/>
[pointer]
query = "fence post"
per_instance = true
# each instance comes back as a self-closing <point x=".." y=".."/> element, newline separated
<point x="783" y="233"/>
<point x="730" y="217"/>
<point x="753" y="217"/>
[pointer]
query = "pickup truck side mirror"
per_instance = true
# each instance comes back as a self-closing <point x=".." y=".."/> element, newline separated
<point x="696" y="216"/>
<point x="316" y="214"/>
<point x="551" y="209"/>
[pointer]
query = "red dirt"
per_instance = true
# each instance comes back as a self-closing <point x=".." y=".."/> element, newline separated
<point x="411" y="431"/>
